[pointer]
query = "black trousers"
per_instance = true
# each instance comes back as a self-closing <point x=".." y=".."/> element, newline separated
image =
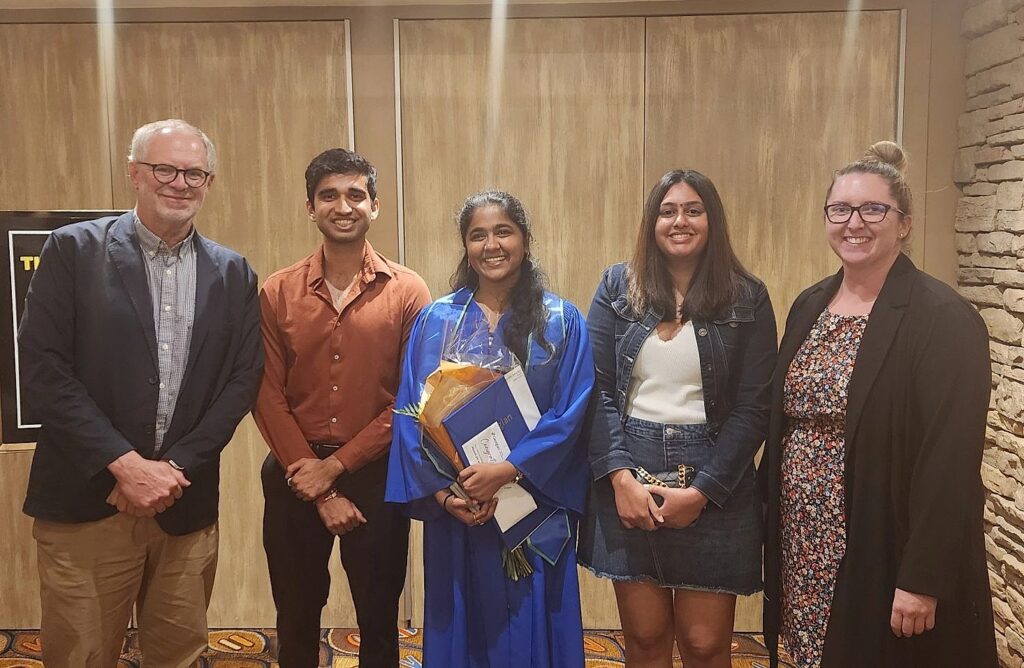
<point x="298" y="548"/>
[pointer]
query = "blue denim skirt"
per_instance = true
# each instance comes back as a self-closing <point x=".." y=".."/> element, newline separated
<point x="720" y="552"/>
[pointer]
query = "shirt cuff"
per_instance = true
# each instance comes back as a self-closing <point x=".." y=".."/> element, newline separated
<point x="711" y="488"/>
<point x="348" y="460"/>
<point x="613" y="461"/>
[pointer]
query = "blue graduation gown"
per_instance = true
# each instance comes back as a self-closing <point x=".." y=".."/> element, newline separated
<point x="475" y="616"/>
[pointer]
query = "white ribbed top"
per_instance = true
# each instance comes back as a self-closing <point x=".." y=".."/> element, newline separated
<point x="666" y="384"/>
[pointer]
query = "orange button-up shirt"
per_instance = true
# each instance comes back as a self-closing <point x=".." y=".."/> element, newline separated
<point x="331" y="375"/>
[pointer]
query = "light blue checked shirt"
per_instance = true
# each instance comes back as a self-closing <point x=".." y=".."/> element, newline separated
<point x="172" y="287"/>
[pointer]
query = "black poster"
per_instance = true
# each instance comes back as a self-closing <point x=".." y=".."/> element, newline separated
<point x="23" y="235"/>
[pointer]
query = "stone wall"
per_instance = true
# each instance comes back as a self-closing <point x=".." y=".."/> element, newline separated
<point x="990" y="247"/>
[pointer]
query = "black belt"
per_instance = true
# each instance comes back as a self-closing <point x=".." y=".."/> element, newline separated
<point x="324" y="450"/>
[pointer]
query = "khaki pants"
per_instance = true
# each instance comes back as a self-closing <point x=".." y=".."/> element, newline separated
<point x="90" y="575"/>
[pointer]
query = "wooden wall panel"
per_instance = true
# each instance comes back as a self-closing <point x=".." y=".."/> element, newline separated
<point x="768" y="106"/>
<point x="53" y="131"/>
<point x="271" y="96"/>
<point x="560" y="127"/>
<point x="20" y="607"/>
<point x="53" y="126"/>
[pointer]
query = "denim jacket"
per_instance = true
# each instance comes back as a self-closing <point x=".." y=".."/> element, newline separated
<point x="737" y="350"/>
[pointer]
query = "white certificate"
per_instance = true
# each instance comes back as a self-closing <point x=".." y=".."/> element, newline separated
<point x="514" y="502"/>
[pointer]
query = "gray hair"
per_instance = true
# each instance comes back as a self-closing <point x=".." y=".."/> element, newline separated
<point x="142" y="136"/>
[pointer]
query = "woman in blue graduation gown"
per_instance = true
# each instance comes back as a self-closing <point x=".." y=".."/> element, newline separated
<point x="476" y="615"/>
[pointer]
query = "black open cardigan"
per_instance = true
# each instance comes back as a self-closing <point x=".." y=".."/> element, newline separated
<point x="915" y="431"/>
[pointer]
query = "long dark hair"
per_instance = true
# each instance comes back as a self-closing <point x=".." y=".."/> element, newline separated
<point x="529" y="315"/>
<point x="717" y="281"/>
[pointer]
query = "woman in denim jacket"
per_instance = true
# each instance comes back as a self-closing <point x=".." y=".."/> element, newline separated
<point x="684" y="345"/>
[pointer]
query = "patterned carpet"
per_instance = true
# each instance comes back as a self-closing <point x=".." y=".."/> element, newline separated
<point x="339" y="648"/>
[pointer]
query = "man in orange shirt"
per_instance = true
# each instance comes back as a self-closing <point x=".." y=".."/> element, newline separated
<point x="334" y="326"/>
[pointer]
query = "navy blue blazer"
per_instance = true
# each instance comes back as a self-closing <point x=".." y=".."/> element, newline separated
<point x="89" y="370"/>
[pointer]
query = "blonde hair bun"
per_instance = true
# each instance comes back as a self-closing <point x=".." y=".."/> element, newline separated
<point x="887" y="153"/>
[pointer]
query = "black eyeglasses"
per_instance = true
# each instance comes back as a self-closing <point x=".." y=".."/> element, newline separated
<point x="194" y="177"/>
<point x="869" y="212"/>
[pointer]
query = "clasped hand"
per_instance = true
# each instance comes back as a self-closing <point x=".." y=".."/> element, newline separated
<point x="145" y="487"/>
<point x="638" y="507"/>
<point x="468" y="514"/>
<point x="340" y="515"/>
<point x="680" y="506"/>
<point x="311" y="478"/>
<point x="482" y="481"/>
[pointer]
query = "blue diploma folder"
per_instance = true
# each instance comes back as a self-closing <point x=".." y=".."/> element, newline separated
<point x="494" y="404"/>
<point x="497" y="404"/>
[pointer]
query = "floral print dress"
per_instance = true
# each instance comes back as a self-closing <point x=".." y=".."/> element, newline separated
<point x="813" y="490"/>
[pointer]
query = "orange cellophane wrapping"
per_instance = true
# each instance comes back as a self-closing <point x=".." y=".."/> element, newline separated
<point x="450" y="386"/>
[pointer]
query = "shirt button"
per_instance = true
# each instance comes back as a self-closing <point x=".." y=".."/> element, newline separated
<point x="168" y="272"/>
<point x="702" y="331"/>
<point x="165" y="347"/>
<point x="162" y="386"/>
<point x="167" y="308"/>
<point x="337" y="357"/>
<point x="334" y="419"/>
<point x="335" y="388"/>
